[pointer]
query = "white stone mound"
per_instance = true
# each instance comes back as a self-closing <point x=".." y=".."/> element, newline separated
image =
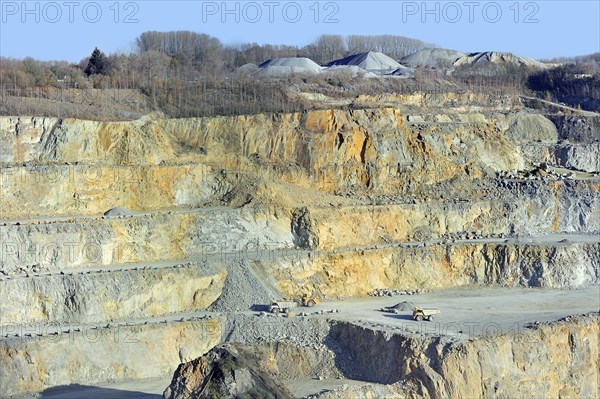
<point x="348" y="70"/>
<point x="288" y="66"/>
<point x="371" y="61"/>
<point x="403" y="72"/>
<point x="495" y="57"/>
<point x="432" y="57"/>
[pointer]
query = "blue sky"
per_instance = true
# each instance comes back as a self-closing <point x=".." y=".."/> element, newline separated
<point x="70" y="29"/>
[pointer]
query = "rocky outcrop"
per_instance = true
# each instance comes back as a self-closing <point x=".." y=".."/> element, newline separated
<point x="556" y="359"/>
<point x="379" y="149"/>
<point x="579" y="157"/>
<point x="577" y="128"/>
<point x="535" y="209"/>
<point x="551" y="360"/>
<point x="225" y="372"/>
<point x="71" y="190"/>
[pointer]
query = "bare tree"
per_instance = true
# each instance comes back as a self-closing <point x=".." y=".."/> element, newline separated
<point x="327" y="48"/>
<point x="392" y="45"/>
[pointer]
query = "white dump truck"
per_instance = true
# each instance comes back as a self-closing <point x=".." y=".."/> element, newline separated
<point x="283" y="306"/>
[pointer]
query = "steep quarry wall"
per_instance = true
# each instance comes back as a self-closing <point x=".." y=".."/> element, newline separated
<point x="65" y="190"/>
<point x="383" y="149"/>
<point x="104" y="296"/>
<point x="551" y="360"/>
<point x="92" y="356"/>
<point x="354" y="273"/>
<point x="56" y="140"/>
<point x="91" y="243"/>
<point x="166" y="163"/>
<point x="376" y="149"/>
<point x="577" y="128"/>
<point x="580" y="157"/>
<point x="538" y="210"/>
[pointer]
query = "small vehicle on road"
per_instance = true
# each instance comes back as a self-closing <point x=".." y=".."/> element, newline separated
<point x="285" y="305"/>
<point x="425" y="313"/>
<point x="310" y="301"/>
<point x="418" y="313"/>
<point x="282" y="306"/>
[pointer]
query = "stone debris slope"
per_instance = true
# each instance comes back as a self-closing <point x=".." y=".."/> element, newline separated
<point x="432" y="57"/>
<point x="369" y="61"/>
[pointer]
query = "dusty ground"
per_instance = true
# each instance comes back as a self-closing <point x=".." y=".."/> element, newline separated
<point x="470" y="313"/>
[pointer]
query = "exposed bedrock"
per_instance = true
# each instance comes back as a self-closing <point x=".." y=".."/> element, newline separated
<point x="350" y="273"/>
<point x="97" y="355"/>
<point x="552" y="360"/>
<point x="110" y="295"/>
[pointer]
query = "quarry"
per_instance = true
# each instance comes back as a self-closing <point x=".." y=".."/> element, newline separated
<point x="139" y="258"/>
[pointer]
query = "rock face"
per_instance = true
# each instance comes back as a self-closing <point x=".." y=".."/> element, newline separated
<point x="580" y="157"/>
<point x="352" y="273"/>
<point x="91" y="243"/>
<point x="110" y="295"/>
<point x="151" y="224"/>
<point x="80" y="355"/>
<point x="225" y="372"/>
<point x="557" y="359"/>
<point x="376" y="150"/>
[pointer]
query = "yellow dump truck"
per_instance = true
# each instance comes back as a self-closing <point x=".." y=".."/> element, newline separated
<point x="424" y="313"/>
<point x="310" y="301"/>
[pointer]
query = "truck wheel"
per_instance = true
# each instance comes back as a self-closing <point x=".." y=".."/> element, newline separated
<point x="430" y="318"/>
<point x="418" y="317"/>
<point x="275" y="310"/>
<point x="286" y="310"/>
<point x="311" y="303"/>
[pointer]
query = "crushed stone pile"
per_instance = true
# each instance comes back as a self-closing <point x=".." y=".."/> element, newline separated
<point x="243" y="289"/>
<point x="486" y="58"/>
<point x="288" y="66"/>
<point x="370" y="61"/>
<point x="432" y="57"/>
<point x="403" y="71"/>
<point x="348" y="71"/>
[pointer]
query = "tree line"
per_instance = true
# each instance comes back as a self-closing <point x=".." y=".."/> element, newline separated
<point x="187" y="56"/>
<point x="185" y="73"/>
<point x="576" y="84"/>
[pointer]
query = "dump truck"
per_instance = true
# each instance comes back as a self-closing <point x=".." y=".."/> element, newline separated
<point x="424" y="313"/>
<point x="283" y="306"/>
<point x="310" y="301"/>
<point x="399" y="307"/>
